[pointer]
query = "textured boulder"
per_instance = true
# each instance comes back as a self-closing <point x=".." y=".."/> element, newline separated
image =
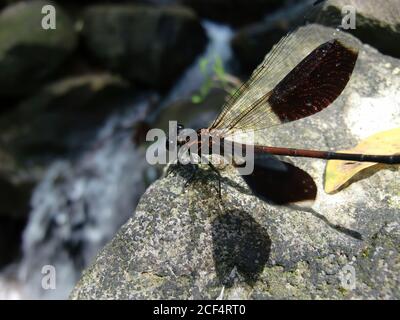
<point x="377" y="22"/>
<point x="148" y="45"/>
<point x="28" y="53"/>
<point x="185" y="242"/>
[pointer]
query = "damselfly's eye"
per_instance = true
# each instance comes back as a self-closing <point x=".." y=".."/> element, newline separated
<point x="180" y="127"/>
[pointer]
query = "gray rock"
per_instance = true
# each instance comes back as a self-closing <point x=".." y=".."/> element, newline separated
<point x="185" y="242"/>
<point x="377" y="22"/>
<point x="28" y="53"/>
<point x="148" y="45"/>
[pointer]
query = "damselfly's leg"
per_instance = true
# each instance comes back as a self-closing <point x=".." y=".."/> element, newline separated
<point x="192" y="175"/>
<point x="169" y="170"/>
<point x="194" y="172"/>
<point x="172" y="167"/>
<point x="213" y="168"/>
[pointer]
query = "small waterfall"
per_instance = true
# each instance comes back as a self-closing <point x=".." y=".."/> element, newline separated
<point x="80" y="204"/>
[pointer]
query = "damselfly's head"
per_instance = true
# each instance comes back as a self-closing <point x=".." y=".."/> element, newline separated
<point x="178" y="139"/>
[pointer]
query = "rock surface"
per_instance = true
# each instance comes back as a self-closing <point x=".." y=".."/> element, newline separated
<point x="148" y="45"/>
<point x="186" y="243"/>
<point x="377" y="25"/>
<point x="28" y="53"/>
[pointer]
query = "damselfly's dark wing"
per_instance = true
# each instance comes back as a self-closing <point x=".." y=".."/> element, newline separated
<point x="280" y="182"/>
<point x="304" y="73"/>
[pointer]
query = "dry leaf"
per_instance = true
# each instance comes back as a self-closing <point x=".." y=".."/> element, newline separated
<point x="339" y="172"/>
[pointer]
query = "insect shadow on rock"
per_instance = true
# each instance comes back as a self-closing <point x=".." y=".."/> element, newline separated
<point x="241" y="244"/>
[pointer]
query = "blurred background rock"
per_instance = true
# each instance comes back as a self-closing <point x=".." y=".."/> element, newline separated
<point x="75" y="103"/>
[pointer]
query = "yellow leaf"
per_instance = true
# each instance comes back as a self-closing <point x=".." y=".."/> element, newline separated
<point x="339" y="172"/>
